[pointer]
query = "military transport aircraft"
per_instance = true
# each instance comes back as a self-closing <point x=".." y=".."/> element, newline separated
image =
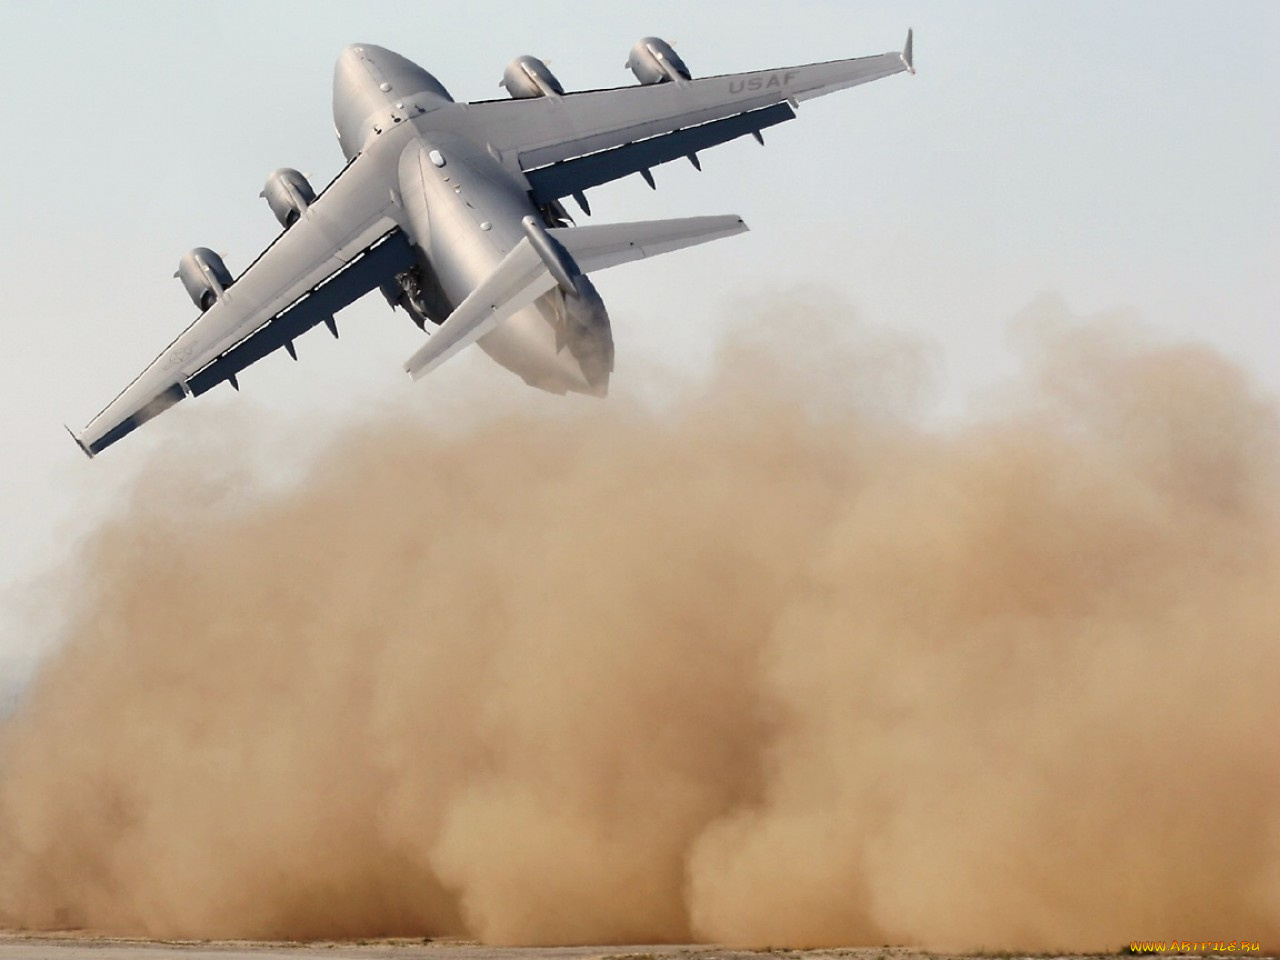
<point x="454" y="211"/>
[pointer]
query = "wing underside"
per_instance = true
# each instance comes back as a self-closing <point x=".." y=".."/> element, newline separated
<point x="573" y="176"/>
<point x="567" y="144"/>
<point x="345" y="244"/>
<point x="392" y="254"/>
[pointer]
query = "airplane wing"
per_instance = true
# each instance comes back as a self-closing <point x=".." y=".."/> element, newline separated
<point x="344" y="245"/>
<point x="566" y="144"/>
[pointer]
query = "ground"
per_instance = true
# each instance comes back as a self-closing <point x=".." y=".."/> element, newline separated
<point x="77" y="946"/>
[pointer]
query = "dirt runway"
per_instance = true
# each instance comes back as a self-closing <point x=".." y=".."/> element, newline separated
<point x="76" y="946"/>
<point x="72" y="946"/>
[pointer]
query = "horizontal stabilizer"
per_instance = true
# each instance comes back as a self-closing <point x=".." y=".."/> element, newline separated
<point x="516" y="282"/>
<point x="522" y="276"/>
<point x="598" y="247"/>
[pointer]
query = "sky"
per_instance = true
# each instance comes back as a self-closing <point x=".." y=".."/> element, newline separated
<point x="1122" y="157"/>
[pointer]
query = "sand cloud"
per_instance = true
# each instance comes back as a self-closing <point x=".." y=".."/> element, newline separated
<point x="779" y="664"/>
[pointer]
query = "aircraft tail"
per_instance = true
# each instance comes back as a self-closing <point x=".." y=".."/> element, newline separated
<point x="548" y="258"/>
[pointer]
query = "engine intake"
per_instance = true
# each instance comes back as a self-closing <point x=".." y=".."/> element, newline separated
<point x="204" y="275"/>
<point x="528" y="77"/>
<point x="288" y="193"/>
<point x="653" y="61"/>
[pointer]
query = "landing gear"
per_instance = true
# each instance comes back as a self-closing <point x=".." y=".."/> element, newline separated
<point x="418" y="292"/>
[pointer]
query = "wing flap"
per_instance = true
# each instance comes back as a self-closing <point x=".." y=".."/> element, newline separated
<point x="581" y="173"/>
<point x="390" y="256"/>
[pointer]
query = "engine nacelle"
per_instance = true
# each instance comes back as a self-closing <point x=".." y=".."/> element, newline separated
<point x="653" y="61"/>
<point x="204" y="275"/>
<point x="288" y="194"/>
<point x="527" y="77"/>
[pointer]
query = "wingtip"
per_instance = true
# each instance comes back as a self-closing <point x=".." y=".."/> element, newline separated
<point x="413" y="367"/>
<point x="908" y="54"/>
<point x="84" y="447"/>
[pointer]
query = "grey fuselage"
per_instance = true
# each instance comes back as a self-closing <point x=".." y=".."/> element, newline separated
<point x="463" y="211"/>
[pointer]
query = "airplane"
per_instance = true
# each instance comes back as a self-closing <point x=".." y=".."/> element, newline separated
<point x="454" y="211"/>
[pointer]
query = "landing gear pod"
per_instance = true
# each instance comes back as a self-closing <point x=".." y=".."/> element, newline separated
<point x="204" y="275"/>
<point x="288" y="194"/>
<point x="653" y="61"/>
<point x="528" y="77"/>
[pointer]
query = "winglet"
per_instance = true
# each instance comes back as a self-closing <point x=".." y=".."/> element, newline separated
<point x="906" y="55"/>
<point x="79" y="443"/>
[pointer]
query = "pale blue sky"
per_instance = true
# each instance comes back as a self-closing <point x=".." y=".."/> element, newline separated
<point x="1122" y="155"/>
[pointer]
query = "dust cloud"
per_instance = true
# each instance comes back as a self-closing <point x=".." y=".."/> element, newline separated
<point x="780" y="664"/>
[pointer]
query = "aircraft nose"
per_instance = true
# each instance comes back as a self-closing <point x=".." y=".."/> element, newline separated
<point x="367" y="79"/>
<point x="352" y="66"/>
<point x="348" y="63"/>
<point x="352" y="101"/>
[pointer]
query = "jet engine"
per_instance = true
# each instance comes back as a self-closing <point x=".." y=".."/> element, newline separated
<point x="204" y="275"/>
<point x="527" y="77"/>
<point x="287" y="194"/>
<point x="653" y="61"/>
